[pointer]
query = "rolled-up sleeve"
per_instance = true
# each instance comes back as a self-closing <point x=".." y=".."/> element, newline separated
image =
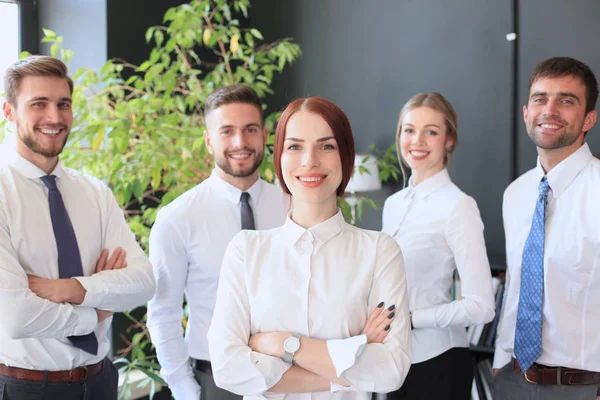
<point x="236" y="367"/>
<point x="379" y="367"/>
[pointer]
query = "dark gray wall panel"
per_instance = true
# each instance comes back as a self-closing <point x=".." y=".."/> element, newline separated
<point x="551" y="28"/>
<point x="371" y="57"/>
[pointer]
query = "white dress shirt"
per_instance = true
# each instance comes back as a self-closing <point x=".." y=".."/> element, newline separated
<point x="571" y="320"/>
<point x="187" y="244"/>
<point x="321" y="282"/>
<point x="34" y="331"/>
<point x="439" y="230"/>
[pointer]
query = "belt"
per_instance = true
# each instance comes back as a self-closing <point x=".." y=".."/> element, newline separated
<point x="202" y="366"/>
<point x="543" y="375"/>
<point x="75" y="375"/>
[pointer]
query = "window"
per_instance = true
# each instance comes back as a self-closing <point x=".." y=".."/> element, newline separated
<point x="10" y="48"/>
<point x="10" y="34"/>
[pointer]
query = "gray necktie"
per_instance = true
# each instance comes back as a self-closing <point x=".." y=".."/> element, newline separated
<point x="246" y="212"/>
<point x="69" y="259"/>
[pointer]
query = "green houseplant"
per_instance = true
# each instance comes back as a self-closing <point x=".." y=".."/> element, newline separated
<point x="139" y="127"/>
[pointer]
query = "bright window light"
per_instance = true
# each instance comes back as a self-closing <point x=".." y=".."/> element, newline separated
<point x="9" y="32"/>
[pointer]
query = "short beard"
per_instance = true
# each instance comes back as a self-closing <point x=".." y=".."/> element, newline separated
<point x="224" y="165"/>
<point x="29" y="141"/>
<point x="563" y="141"/>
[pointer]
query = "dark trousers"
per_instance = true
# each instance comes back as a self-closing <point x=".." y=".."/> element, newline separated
<point x="447" y="376"/>
<point x="208" y="389"/>
<point x="102" y="386"/>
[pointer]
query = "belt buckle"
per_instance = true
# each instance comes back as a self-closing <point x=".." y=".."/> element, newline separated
<point x="527" y="379"/>
<point x="85" y="368"/>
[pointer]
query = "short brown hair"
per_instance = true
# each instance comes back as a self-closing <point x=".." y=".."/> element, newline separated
<point x="337" y="121"/>
<point x="232" y="94"/>
<point x="33" y="66"/>
<point x="557" y="67"/>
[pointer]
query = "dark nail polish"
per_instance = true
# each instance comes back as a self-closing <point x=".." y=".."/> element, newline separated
<point x="390" y="308"/>
<point x="391" y="315"/>
<point x="380" y="305"/>
<point x="387" y="328"/>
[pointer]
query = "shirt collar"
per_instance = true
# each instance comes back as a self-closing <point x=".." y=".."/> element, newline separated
<point x="30" y="170"/>
<point x="323" y="232"/>
<point x="233" y="194"/>
<point x="429" y="185"/>
<point x="562" y="175"/>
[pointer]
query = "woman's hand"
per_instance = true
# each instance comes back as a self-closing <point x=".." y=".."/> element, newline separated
<point x="378" y="324"/>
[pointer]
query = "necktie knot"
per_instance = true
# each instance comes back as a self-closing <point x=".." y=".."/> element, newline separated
<point x="544" y="187"/>
<point x="245" y="197"/>
<point x="50" y="182"/>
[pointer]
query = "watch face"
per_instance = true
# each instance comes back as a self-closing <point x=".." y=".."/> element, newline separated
<point x="291" y="344"/>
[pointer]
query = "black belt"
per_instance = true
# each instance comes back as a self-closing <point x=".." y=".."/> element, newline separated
<point x="202" y="366"/>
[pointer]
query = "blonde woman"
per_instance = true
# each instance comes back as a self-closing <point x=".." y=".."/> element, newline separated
<point x="440" y="231"/>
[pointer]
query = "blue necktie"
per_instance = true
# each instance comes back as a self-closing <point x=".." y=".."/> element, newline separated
<point x="69" y="259"/>
<point x="528" y="334"/>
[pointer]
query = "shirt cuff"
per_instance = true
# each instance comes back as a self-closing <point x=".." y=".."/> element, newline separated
<point x="424" y="318"/>
<point x="501" y="358"/>
<point x="186" y="388"/>
<point x="92" y="297"/>
<point x="273" y="396"/>
<point x="334" y="387"/>
<point x="271" y="368"/>
<point x="88" y="320"/>
<point x="343" y="352"/>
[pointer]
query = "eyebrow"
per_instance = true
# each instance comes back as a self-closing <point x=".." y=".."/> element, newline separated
<point x="425" y="125"/>
<point x="253" y="124"/>
<point x="323" y="139"/>
<point x="561" y="94"/>
<point x="42" y="98"/>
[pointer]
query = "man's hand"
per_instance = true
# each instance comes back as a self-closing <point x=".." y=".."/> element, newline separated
<point x="57" y="290"/>
<point x="103" y="314"/>
<point x="269" y="343"/>
<point x="70" y="290"/>
<point x="116" y="261"/>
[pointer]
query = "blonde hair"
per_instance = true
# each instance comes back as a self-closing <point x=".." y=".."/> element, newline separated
<point x="33" y="66"/>
<point x="436" y="102"/>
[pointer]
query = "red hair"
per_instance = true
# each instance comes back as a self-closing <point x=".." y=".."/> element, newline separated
<point x="337" y="121"/>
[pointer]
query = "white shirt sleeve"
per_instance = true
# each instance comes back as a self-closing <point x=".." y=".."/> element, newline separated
<point x="25" y="315"/>
<point x="236" y="367"/>
<point x="464" y="235"/>
<point x="379" y="367"/>
<point x="127" y="288"/>
<point x="169" y="259"/>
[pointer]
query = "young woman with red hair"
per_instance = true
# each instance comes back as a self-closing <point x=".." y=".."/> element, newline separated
<point x="316" y="309"/>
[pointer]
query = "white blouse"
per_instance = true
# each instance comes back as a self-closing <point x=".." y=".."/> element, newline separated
<point x="321" y="282"/>
<point x="439" y="230"/>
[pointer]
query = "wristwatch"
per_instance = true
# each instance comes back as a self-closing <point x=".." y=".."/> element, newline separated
<point x="291" y="346"/>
